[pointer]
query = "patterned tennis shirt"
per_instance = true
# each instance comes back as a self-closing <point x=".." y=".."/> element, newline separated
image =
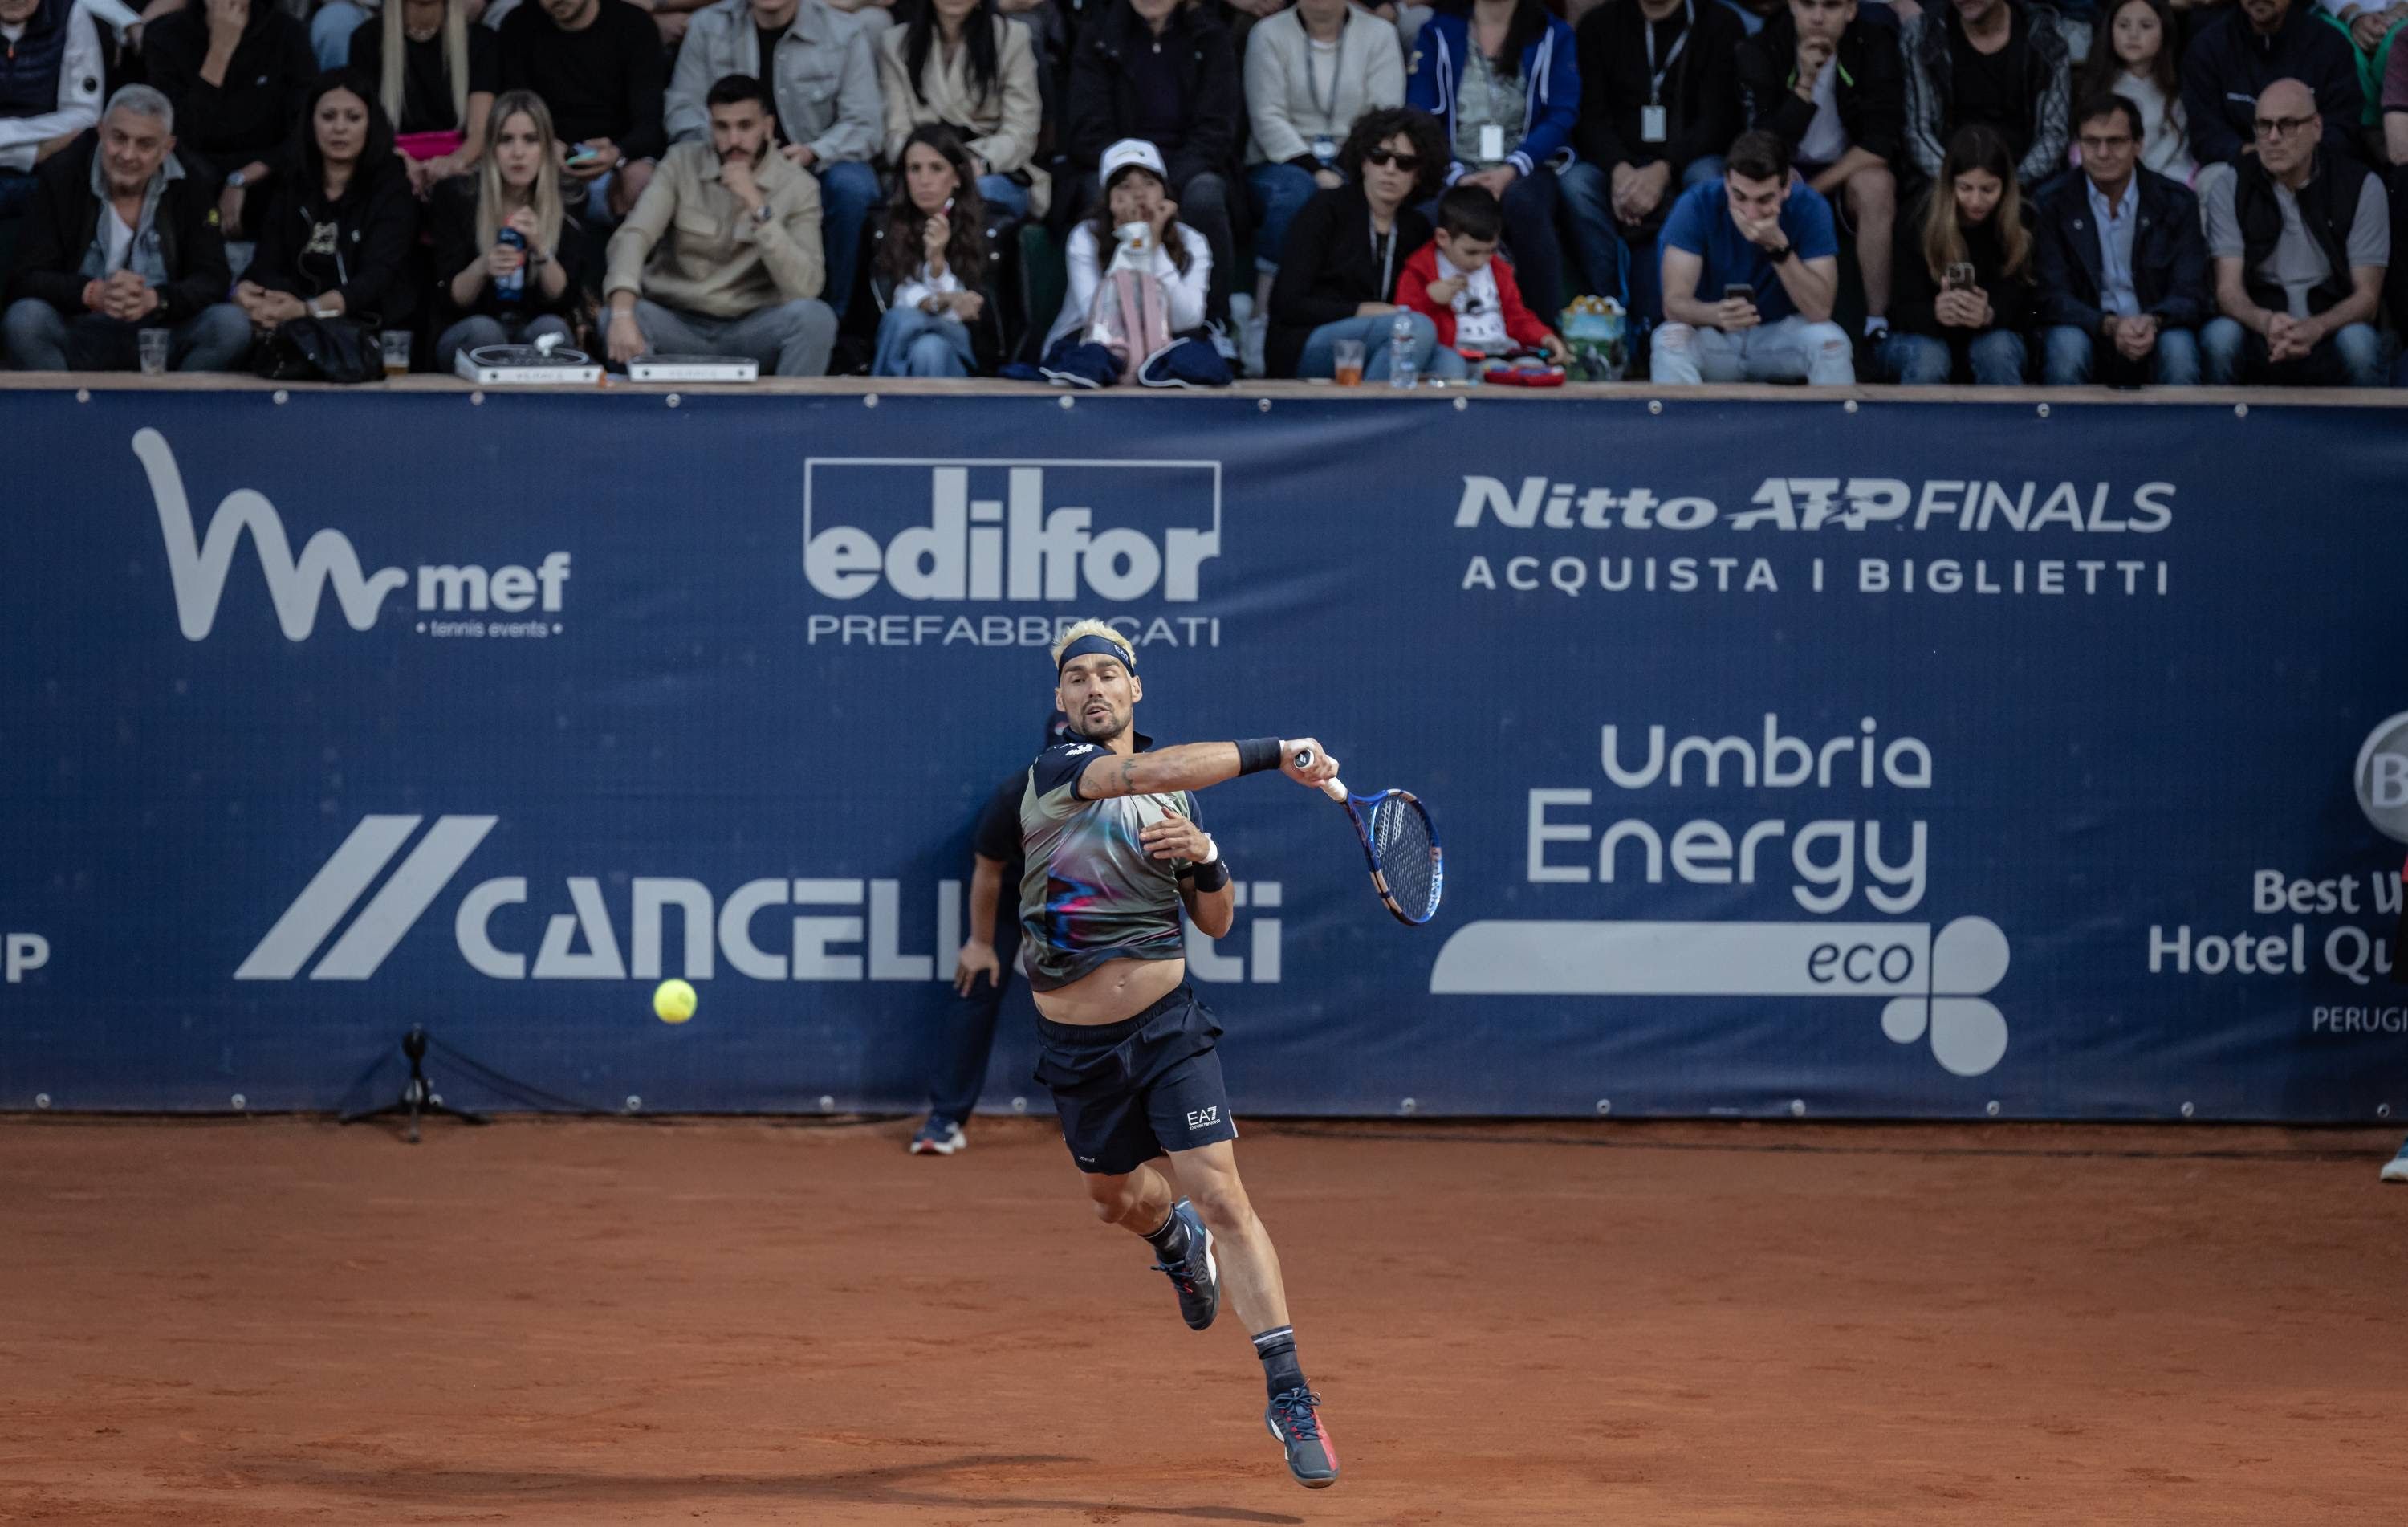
<point x="1090" y="893"/>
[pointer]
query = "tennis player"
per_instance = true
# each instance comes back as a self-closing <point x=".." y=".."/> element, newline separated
<point x="1115" y="849"/>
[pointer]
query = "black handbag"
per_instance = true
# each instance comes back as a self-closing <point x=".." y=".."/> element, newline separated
<point x="334" y="349"/>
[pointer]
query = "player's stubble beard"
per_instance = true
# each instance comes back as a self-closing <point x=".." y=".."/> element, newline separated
<point x="1117" y="724"/>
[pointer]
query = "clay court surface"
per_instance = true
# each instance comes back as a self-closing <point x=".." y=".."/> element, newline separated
<point x="285" y="1321"/>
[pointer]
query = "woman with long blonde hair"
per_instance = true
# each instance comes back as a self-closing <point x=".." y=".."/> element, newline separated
<point x="435" y="75"/>
<point x="506" y="246"/>
<point x="1964" y="272"/>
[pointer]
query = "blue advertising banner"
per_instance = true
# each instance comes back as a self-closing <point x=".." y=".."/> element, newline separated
<point x="1892" y="759"/>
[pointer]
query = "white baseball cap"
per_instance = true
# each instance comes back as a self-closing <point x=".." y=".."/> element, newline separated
<point x="1131" y="152"/>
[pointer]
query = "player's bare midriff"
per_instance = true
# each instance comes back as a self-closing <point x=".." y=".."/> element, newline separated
<point x="1117" y="989"/>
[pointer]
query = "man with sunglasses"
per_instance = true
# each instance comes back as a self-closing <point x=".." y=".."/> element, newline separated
<point x="2300" y="237"/>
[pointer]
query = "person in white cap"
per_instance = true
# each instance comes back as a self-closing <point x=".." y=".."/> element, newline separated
<point x="1136" y="221"/>
<point x="1165" y="71"/>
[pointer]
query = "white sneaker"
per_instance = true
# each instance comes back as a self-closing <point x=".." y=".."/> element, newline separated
<point x="1251" y="338"/>
<point x="2395" y="1168"/>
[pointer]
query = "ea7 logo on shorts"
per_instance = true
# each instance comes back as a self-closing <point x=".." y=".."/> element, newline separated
<point x="1204" y="1118"/>
<point x="1010" y="530"/>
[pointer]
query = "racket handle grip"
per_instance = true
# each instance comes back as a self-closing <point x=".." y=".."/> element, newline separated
<point x="1334" y="788"/>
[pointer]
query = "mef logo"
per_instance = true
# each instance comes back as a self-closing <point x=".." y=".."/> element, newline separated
<point x="1010" y="530"/>
<point x="199" y="564"/>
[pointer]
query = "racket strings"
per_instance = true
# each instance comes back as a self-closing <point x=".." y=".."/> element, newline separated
<point x="1401" y="843"/>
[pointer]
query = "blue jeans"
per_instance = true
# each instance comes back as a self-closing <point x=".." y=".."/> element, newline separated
<point x="1996" y="359"/>
<point x="39" y="337"/>
<point x="1004" y="196"/>
<point x="911" y="343"/>
<point x="598" y="215"/>
<point x="1786" y="350"/>
<point x="2072" y="357"/>
<point x="1376" y="331"/>
<point x="478" y="330"/>
<point x="2350" y="356"/>
<point x="1750" y="23"/>
<point x="330" y="32"/>
<point x="1618" y="260"/>
<point x="1278" y="190"/>
<point x="848" y="190"/>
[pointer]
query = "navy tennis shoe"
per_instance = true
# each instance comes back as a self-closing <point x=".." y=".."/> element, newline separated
<point x="1294" y="1421"/>
<point x="1195" y="1276"/>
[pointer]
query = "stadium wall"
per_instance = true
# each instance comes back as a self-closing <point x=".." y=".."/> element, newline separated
<point x="1881" y="759"/>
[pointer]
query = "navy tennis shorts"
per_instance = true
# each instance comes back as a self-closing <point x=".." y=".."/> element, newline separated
<point x="1131" y="1091"/>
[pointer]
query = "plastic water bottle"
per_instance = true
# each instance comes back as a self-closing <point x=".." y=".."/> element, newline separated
<point x="511" y="287"/>
<point x="1403" y="369"/>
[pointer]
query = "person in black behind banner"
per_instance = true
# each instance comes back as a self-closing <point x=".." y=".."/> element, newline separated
<point x="992" y="950"/>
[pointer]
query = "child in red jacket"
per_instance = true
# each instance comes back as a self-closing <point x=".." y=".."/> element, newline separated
<point x="1459" y="284"/>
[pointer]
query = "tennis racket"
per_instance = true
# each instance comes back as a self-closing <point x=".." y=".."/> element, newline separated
<point x="1398" y="843"/>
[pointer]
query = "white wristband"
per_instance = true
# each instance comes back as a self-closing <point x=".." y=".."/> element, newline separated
<point x="1211" y="851"/>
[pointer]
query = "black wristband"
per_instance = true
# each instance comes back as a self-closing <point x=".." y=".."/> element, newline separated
<point x="1256" y="753"/>
<point x="1213" y="876"/>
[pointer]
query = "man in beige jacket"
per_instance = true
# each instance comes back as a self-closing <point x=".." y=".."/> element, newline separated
<point x="722" y="255"/>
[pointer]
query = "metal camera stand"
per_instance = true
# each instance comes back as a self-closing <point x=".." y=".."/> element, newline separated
<point x="417" y="1095"/>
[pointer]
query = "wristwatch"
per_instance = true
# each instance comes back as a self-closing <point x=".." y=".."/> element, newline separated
<point x="234" y="181"/>
<point x="761" y="214"/>
<point x="309" y="306"/>
<point x="1783" y="253"/>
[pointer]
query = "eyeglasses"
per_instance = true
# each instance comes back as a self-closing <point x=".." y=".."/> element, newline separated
<point x="2285" y="126"/>
<point x="1385" y="157"/>
<point x="2091" y="144"/>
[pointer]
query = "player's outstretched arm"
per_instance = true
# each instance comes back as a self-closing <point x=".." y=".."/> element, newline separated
<point x="1192" y="765"/>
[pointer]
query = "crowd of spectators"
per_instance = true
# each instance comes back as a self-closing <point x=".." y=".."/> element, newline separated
<point x="1993" y="192"/>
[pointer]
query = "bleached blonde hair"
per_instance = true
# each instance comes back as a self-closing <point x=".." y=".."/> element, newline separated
<point x="1094" y="627"/>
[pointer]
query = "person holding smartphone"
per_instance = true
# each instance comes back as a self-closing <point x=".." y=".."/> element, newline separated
<point x="931" y="271"/>
<point x="1965" y="262"/>
<point x="597" y="64"/>
<point x="1765" y="241"/>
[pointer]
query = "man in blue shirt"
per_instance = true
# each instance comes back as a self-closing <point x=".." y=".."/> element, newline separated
<point x="1757" y="229"/>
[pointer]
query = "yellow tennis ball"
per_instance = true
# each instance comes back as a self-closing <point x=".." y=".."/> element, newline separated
<point x="673" y="1002"/>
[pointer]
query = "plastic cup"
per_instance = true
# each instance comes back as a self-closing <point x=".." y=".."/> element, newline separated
<point x="397" y="352"/>
<point x="152" y="346"/>
<point x="1350" y="363"/>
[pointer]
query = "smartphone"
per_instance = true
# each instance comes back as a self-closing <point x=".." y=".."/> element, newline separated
<point x="1738" y="292"/>
<point x="580" y="154"/>
<point x="1959" y="278"/>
